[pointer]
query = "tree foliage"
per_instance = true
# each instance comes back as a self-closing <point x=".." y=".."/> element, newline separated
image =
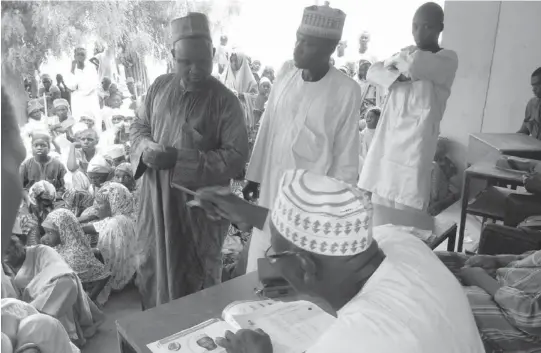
<point x="35" y="30"/>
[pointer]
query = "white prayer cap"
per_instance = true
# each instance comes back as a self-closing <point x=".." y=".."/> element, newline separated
<point x="323" y="22"/>
<point x="115" y="151"/>
<point x="98" y="164"/>
<point x="323" y="215"/>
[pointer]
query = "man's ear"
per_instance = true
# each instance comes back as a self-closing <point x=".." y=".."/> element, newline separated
<point x="308" y="267"/>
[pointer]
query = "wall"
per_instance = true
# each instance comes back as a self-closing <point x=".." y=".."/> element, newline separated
<point x="498" y="49"/>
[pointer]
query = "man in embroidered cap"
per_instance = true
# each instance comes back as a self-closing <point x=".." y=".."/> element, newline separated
<point x="389" y="291"/>
<point x="190" y="132"/>
<point x="311" y="118"/>
<point x="398" y="167"/>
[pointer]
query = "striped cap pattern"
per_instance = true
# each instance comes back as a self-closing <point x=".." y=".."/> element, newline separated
<point x="323" y="215"/>
<point x="322" y="22"/>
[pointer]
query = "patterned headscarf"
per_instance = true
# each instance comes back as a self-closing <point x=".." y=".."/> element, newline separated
<point x="127" y="168"/>
<point x="77" y="200"/>
<point x="75" y="246"/>
<point x="98" y="164"/>
<point x="118" y="197"/>
<point x="42" y="190"/>
<point x="33" y="105"/>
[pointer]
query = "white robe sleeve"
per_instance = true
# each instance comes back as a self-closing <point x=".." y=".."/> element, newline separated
<point x="439" y="68"/>
<point x="345" y="165"/>
<point x="381" y="76"/>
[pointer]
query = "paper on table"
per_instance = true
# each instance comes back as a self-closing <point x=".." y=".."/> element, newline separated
<point x="293" y="327"/>
<point x="243" y="308"/>
<point x="198" y="339"/>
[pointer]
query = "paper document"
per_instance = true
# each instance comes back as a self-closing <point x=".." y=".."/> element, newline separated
<point x="293" y="327"/>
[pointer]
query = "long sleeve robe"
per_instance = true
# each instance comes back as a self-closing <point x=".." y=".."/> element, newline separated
<point x="307" y="125"/>
<point x="207" y="127"/>
<point x="399" y="163"/>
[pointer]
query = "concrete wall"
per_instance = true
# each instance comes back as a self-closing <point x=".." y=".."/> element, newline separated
<point x="498" y="47"/>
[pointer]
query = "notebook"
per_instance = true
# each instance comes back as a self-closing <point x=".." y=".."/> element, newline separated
<point x="293" y="327"/>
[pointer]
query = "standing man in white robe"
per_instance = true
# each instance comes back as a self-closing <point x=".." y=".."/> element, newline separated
<point x="311" y="120"/>
<point x="84" y="84"/>
<point x="398" y="167"/>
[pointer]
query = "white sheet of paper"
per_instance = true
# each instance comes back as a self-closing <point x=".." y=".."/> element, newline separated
<point x="198" y="339"/>
<point x="293" y="327"/>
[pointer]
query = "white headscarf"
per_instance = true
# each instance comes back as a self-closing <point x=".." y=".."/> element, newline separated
<point x="242" y="81"/>
<point x="43" y="332"/>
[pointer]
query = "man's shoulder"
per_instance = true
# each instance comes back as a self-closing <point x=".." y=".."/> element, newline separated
<point x="342" y="83"/>
<point x="533" y="102"/>
<point x="220" y="91"/>
<point x="163" y="80"/>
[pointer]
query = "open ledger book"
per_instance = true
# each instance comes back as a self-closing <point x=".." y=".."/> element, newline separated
<point x="293" y="327"/>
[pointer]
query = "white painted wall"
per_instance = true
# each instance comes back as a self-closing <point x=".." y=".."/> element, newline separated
<point x="498" y="47"/>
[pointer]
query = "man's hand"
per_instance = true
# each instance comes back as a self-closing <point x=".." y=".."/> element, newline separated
<point x="470" y="275"/>
<point x="246" y="341"/>
<point x="532" y="183"/>
<point x="159" y="157"/>
<point x="220" y="202"/>
<point x="251" y="191"/>
<point x="486" y="262"/>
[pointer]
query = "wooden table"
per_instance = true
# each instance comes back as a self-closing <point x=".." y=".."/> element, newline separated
<point x="488" y="172"/>
<point x="489" y="147"/>
<point x="140" y="329"/>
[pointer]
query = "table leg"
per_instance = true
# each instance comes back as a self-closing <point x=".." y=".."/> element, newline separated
<point x="451" y="240"/>
<point x="465" y="199"/>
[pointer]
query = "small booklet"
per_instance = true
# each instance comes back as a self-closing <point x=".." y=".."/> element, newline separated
<point x="293" y="327"/>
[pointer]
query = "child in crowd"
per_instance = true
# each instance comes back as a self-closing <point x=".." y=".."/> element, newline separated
<point x="42" y="166"/>
<point x="367" y="134"/>
<point x="103" y="91"/>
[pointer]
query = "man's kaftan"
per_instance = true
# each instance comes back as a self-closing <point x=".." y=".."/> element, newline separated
<point x="307" y="125"/>
<point x="399" y="163"/>
<point x="180" y="246"/>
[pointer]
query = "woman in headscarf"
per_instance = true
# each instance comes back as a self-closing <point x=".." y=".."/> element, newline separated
<point x="39" y="203"/>
<point x="28" y="331"/>
<point x="124" y="176"/>
<point x="117" y="241"/>
<point x="65" y="234"/>
<point x="46" y="281"/>
<point x="36" y="122"/>
<point x="77" y="200"/>
<point x="99" y="172"/>
<point x="254" y="105"/>
<point x="239" y="77"/>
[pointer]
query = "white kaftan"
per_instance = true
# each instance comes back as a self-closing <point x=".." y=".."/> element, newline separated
<point x="399" y="164"/>
<point x="411" y="304"/>
<point x="307" y="125"/>
<point x="84" y="97"/>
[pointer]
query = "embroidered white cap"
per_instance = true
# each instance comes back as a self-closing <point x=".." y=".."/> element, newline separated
<point x="323" y="215"/>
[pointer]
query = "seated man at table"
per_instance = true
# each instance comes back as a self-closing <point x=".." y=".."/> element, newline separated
<point x="504" y="294"/>
<point x="532" y="122"/>
<point x="387" y="288"/>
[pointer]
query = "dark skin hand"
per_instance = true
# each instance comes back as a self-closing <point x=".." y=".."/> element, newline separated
<point x="476" y="276"/>
<point x="246" y="341"/>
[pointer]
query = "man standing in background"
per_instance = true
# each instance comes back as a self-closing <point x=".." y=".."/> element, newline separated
<point x="83" y="83"/>
<point x="532" y="122"/>
<point x="190" y="132"/>
<point x="364" y="53"/>
<point x="398" y="166"/>
<point x="311" y="120"/>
